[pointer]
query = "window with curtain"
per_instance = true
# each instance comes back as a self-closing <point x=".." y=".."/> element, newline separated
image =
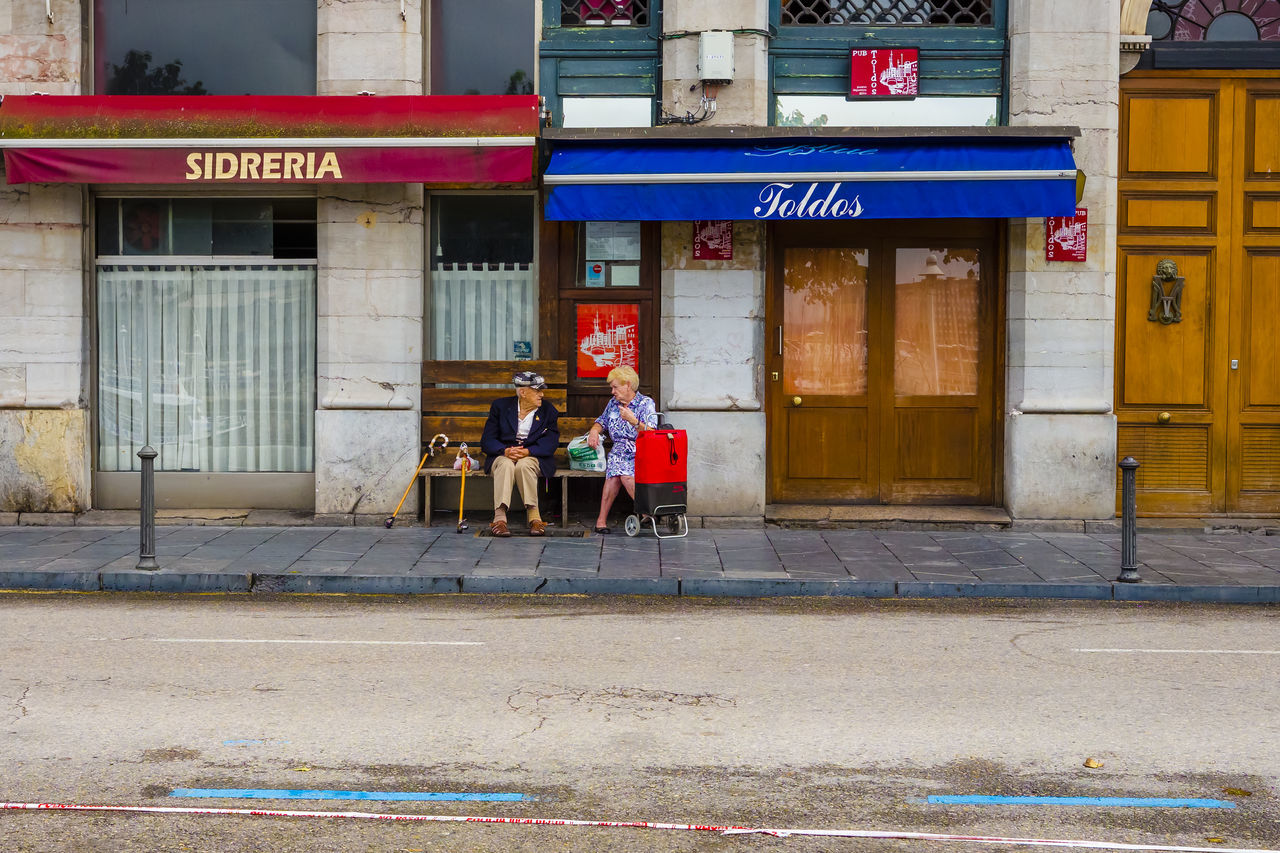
<point x="484" y="290"/>
<point x="210" y="360"/>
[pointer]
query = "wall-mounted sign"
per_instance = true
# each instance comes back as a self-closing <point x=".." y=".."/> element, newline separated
<point x="1067" y="237"/>
<point x="884" y="73"/>
<point x="367" y="164"/>
<point x="608" y="337"/>
<point x="713" y="240"/>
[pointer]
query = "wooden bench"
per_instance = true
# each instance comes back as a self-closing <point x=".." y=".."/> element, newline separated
<point x="460" y="413"/>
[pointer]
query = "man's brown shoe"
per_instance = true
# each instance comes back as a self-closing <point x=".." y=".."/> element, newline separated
<point x="537" y="527"/>
<point x="499" y="528"/>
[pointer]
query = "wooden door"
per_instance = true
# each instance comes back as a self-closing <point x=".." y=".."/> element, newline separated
<point x="1197" y="392"/>
<point x="1253" y="426"/>
<point x="881" y="364"/>
<point x="621" y="302"/>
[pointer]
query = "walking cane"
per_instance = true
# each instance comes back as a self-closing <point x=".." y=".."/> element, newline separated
<point x="431" y="451"/>
<point x="462" y="492"/>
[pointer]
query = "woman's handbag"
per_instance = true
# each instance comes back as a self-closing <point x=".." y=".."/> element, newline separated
<point x="584" y="457"/>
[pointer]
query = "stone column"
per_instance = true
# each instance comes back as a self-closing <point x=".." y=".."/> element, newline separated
<point x="366" y="46"/>
<point x="370" y="280"/>
<point x="1060" y="429"/>
<point x="713" y="311"/>
<point x="712" y="368"/>
<point x="44" y="431"/>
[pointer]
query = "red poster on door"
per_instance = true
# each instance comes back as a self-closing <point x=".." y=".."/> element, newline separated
<point x="608" y="337"/>
<point x="1067" y="237"/>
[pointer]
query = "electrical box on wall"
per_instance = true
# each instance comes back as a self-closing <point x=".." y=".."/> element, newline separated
<point x="715" y="57"/>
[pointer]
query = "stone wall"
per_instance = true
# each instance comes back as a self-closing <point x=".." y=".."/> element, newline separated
<point x="38" y="55"/>
<point x="1060" y="431"/>
<point x="744" y="101"/>
<point x="43" y="325"/>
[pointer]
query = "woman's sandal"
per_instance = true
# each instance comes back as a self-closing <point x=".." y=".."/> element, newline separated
<point x="604" y="530"/>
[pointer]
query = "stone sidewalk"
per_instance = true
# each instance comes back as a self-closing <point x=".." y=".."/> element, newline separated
<point x="1176" y="565"/>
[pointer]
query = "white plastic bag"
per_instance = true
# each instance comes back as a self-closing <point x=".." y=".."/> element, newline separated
<point x="584" y="457"/>
<point x="463" y="460"/>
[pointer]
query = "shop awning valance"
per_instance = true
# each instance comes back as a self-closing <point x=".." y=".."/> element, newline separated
<point x="193" y="140"/>
<point x="811" y="178"/>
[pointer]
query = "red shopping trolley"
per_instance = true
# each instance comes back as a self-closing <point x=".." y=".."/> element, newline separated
<point x="661" y="487"/>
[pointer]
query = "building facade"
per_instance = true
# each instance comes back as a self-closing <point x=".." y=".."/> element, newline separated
<point x="870" y="252"/>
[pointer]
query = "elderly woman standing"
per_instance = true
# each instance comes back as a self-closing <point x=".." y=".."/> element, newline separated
<point x="628" y="414"/>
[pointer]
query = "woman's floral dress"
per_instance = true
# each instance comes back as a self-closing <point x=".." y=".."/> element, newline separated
<point x="622" y="456"/>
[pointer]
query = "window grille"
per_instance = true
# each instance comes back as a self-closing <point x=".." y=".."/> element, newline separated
<point x="604" y="13"/>
<point x="888" y="12"/>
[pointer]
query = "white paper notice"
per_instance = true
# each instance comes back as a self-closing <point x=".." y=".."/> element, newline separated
<point x="613" y="241"/>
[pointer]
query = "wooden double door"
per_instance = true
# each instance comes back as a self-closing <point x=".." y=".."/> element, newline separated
<point x="1198" y="347"/>
<point x="881" y="363"/>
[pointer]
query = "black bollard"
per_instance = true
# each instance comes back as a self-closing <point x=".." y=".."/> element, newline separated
<point x="1129" y="520"/>
<point x="147" y="545"/>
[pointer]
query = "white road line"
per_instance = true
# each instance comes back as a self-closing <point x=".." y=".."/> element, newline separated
<point x="295" y="642"/>
<point x="1182" y="651"/>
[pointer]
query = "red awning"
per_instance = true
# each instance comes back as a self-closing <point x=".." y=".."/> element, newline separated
<point x="269" y="140"/>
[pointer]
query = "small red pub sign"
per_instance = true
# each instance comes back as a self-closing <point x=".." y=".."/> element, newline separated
<point x="1067" y="237"/>
<point x="884" y="73"/>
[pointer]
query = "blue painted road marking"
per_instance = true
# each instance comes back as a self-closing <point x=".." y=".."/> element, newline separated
<point x="1148" y="802"/>
<point x="284" y="794"/>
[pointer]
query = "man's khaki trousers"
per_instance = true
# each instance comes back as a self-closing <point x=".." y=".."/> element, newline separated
<point x="506" y="473"/>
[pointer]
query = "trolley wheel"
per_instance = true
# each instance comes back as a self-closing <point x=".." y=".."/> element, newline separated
<point x="631" y="525"/>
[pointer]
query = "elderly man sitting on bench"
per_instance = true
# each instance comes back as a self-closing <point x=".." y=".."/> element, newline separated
<point x="519" y="440"/>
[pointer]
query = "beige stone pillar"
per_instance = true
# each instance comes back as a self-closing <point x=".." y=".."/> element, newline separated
<point x="713" y="311"/>
<point x="1060" y="430"/>
<point x="370" y="281"/>
<point x="44" y="466"/>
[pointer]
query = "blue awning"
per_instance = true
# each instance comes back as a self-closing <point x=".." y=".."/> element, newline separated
<point x="816" y="178"/>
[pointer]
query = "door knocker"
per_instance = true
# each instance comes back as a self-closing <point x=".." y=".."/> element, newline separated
<point x="1166" y="306"/>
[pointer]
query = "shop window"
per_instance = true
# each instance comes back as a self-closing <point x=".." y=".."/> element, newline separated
<point x="483" y="47"/>
<point x="206" y="319"/>
<point x="888" y="12"/>
<point x="1203" y="20"/>
<point x="202" y="227"/>
<point x="205" y="47"/>
<point x="484" y="290"/>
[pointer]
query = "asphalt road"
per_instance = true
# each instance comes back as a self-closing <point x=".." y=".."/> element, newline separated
<point x="829" y="714"/>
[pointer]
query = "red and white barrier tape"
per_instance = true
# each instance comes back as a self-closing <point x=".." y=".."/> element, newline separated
<point x="636" y="824"/>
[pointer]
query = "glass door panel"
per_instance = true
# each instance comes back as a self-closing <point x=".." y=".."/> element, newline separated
<point x="824" y="322"/>
<point x="936" y="325"/>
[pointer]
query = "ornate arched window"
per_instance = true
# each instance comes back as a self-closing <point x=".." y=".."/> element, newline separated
<point x="1214" y="20"/>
